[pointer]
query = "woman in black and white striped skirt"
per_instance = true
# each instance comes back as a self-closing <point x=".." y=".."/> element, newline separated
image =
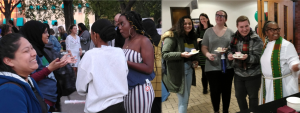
<point x="139" y="53"/>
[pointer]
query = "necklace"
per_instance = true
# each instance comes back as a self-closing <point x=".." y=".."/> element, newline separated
<point x="130" y="40"/>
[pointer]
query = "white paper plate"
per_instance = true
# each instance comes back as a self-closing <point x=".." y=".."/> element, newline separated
<point x="234" y="56"/>
<point x="220" y="51"/>
<point x="193" y="53"/>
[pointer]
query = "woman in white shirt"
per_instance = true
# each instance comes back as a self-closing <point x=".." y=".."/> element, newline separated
<point x="102" y="72"/>
<point x="280" y="63"/>
<point x="73" y="46"/>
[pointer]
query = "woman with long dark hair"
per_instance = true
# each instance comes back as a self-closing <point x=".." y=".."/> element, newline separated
<point x="177" y="43"/>
<point x="139" y="53"/>
<point x="220" y="81"/>
<point x="204" y="25"/>
<point x="84" y="36"/>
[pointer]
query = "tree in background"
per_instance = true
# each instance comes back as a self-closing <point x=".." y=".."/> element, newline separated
<point x="108" y="9"/>
<point x="68" y="13"/>
<point x="86" y="21"/>
<point x="7" y="9"/>
<point x="44" y="9"/>
<point x="149" y="8"/>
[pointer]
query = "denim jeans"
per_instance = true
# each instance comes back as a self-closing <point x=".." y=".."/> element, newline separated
<point x="247" y="86"/>
<point x="183" y="99"/>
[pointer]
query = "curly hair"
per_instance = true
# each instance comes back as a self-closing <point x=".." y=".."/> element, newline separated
<point x="179" y="27"/>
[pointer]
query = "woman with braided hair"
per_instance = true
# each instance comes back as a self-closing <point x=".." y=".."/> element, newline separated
<point x="139" y="53"/>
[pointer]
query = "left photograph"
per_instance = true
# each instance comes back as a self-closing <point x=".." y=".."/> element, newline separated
<point x="75" y="56"/>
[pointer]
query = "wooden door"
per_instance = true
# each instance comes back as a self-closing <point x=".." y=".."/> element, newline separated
<point x="280" y="11"/>
<point x="178" y="12"/>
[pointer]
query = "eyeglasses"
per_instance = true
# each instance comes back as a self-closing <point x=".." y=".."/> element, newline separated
<point x="220" y="16"/>
<point x="273" y="30"/>
<point x="46" y="32"/>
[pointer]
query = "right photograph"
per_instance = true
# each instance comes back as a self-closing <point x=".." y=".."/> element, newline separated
<point x="229" y="56"/>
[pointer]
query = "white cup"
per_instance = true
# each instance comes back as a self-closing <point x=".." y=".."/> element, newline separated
<point x="293" y="102"/>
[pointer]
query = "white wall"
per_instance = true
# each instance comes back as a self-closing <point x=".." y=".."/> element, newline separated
<point x="234" y="9"/>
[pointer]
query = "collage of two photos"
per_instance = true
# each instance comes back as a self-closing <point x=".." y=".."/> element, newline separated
<point x="248" y="56"/>
<point x="149" y="56"/>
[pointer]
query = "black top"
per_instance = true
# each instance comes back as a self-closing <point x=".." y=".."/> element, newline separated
<point x="15" y="29"/>
<point x="119" y="40"/>
<point x="64" y="36"/>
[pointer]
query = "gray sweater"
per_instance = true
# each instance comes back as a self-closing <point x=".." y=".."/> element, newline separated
<point x="212" y="41"/>
<point x="85" y="40"/>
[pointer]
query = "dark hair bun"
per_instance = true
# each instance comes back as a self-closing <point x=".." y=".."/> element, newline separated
<point x="108" y="33"/>
<point x="105" y="29"/>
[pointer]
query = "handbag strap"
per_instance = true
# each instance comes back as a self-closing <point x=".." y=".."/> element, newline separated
<point x="12" y="83"/>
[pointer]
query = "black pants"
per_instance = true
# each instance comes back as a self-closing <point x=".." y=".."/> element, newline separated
<point x="220" y="85"/>
<point x="204" y="78"/>
<point x="117" y="108"/>
<point x="247" y="86"/>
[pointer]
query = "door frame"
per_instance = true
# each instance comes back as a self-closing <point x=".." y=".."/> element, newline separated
<point x="290" y="13"/>
<point x="172" y="8"/>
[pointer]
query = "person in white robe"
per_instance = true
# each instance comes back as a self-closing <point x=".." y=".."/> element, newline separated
<point x="288" y="65"/>
<point x="102" y="72"/>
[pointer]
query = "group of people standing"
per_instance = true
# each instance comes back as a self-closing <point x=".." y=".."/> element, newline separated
<point x="30" y="66"/>
<point x="266" y="66"/>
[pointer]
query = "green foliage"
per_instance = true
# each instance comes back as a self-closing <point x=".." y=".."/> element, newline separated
<point x="104" y="9"/>
<point x="149" y="8"/>
<point x="108" y="9"/>
<point x="42" y="14"/>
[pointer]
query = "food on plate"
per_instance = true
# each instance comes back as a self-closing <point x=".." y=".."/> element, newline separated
<point x="199" y="39"/>
<point x="238" y="54"/>
<point x="193" y="50"/>
<point x="219" y="49"/>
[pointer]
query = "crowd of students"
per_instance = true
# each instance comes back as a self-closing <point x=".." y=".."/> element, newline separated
<point x="272" y="66"/>
<point x="31" y="61"/>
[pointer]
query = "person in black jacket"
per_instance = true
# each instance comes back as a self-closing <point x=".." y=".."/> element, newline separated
<point x="119" y="40"/>
<point x="12" y="25"/>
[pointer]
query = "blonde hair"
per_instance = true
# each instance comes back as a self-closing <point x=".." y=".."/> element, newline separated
<point x="62" y="30"/>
